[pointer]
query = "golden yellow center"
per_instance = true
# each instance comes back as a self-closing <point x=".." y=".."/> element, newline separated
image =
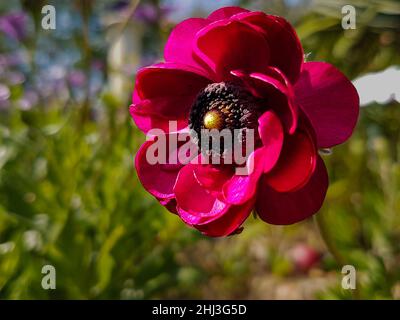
<point x="213" y="120"/>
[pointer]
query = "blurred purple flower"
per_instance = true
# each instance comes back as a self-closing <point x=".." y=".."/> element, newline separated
<point x="76" y="78"/>
<point x="149" y="13"/>
<point x="11" y="60"/>
<point x="29" y="99"/>
<point x="14" y="25"/>
<point x="15" y="77"/>
<point x="4" y="92"/>
<point x="4" y="96"/>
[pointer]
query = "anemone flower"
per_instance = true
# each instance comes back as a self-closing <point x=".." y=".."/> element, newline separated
<point x="238" y="69"/>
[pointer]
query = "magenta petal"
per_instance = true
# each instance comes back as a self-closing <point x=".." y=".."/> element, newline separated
<point x="229" y="45"/>
<point x="286" y="52"/>
<point x="147" y="120"/>
<point x="212" y="178"/>
<point x="135" y="97"/>
<point x="280" y="98"/>
<point x="291" y="207"/>
<point x="164" y="80"/>
<point x="228" y="223"/>
<point x="165" y="92"/>
<point x="224" y="13"/>
<point x="179" y="45"/>
<point x="329" y="100"/>
<point x="241" y="188"/>
<point x="158" y="179"/>
<point x="271" y="133"/>
<point x="195" y="205"/>
<point x="296" y="163"/>
<point x="278" y="92"/>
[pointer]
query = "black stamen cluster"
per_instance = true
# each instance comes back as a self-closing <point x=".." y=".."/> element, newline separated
<point x="238" y="108"/>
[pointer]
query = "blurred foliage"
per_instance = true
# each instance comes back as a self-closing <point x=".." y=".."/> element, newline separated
<point x="69" y="195"/>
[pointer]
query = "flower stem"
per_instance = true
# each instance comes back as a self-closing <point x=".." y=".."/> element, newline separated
<point x="332" y="247"/>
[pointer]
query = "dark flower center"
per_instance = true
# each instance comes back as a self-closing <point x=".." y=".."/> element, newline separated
<point x="222" y="106"/>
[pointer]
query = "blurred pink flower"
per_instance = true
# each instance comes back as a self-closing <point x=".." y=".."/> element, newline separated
<point x="304" y="257"/>
<point x="253" y="63"/>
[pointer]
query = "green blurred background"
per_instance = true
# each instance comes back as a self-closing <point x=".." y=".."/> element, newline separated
<point x="70" y="197"/>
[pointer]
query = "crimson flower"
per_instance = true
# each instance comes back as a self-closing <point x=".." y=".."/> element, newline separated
<point x="243" y="69"/>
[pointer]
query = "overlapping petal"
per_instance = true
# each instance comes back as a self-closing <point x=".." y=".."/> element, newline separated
<point x="329" y="100"/>
<point x="179" y="47"/>
<point x="146" y="119"/>
<point x="156" y="171"/>
<point x="273" y="86"/>
<point x="284" y="208"/>
<point x="195" y="204"/>
<point x="213" y="177"/>
<point x="165" y="92"/>
<point x="272" y="135"/>
<point x="228" y="45"/>
<point x="241" y="188"/>
<point x="286" y="52"/>
<point x="200" y="209"/>
<point x="228" y="223"/>
<point x="225" y="13"/>
<point x="296" y="163"/>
